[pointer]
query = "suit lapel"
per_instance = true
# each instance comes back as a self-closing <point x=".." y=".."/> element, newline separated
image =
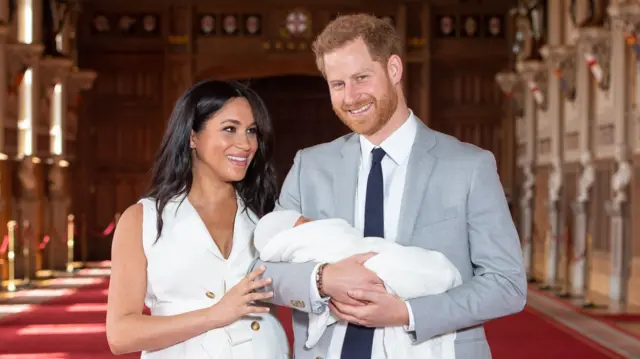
<point x="420" y="167"/>
<point x="191" y="222"/>
<point x="345" y="179"/>
<point x="244" y="225"/>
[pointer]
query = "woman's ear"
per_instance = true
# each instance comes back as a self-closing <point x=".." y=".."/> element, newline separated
<point x="192" y="140"/>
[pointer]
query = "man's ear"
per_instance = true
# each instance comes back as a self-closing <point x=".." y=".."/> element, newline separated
<point x="394" y="69"/>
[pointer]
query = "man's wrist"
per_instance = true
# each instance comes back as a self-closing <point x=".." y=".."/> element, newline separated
<point x="409" y="325"/>
<point x="320" y="280"/>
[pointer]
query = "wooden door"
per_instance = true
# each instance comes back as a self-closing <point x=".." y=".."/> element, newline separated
<point x="302" y="116"/>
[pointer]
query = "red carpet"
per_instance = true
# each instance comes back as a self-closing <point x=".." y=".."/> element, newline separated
<point x="72" y="327"/>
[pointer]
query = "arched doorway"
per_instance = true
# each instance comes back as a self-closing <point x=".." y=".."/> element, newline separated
<point x="301" y="112"/>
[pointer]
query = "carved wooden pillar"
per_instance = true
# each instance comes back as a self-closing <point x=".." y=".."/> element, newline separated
<point x="513" y="86"/>
<point x="619" y="205"/>
<point x="561" y="62"/>
<point x="582" y="247"/>
<point x="18" y="56"/>
<point x="59" y="177"/>
<point x="536" y="76"/>
<point x="30" y="174"/>
<point x="5" y="164"/>
<point x="56" y="68"/>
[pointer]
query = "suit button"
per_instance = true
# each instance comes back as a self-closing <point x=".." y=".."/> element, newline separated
<point x="255" y="326"/>
<point x="211" y="295"/>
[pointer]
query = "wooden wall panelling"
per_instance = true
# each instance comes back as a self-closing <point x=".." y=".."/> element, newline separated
<point x="126" y="110"/>
<point x="465" y="55"/>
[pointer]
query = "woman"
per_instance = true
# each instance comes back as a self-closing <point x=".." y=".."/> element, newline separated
<point x="185" y="249"/>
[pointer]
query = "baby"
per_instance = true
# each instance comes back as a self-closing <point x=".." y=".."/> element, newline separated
<point x="408" y="272"/>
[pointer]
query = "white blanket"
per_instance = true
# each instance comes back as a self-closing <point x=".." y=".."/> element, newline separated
<point x="407" y="272"/>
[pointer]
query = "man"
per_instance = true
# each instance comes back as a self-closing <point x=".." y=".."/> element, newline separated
<point x="395" y="178"/>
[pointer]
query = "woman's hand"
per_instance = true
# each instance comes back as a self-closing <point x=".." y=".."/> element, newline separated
<point x="238" y="301"/>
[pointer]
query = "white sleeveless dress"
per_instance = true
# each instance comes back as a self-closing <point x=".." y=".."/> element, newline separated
<point x="187" y="272"/>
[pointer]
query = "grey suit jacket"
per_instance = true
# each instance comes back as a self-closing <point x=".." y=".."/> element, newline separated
<point x="453" y="202"/>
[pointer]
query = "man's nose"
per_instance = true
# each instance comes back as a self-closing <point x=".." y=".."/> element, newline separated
<point x="350" y="95"/>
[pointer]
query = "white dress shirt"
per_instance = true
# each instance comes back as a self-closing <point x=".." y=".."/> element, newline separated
<point x="394" y="172"/>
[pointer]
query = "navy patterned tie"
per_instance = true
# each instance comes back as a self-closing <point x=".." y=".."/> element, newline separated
<point x="358" y="340"/>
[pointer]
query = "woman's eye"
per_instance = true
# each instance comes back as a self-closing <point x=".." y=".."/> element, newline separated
<point x="253" y="130"/>
<point x="229" y="129"/>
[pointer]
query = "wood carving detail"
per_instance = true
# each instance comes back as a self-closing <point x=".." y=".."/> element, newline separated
<point x="512" y="86"/>
<point x="28" y="178"/>
<point x="537" y="78"/>
<point x="595" y="45"/>
<point x="562" y="60"/>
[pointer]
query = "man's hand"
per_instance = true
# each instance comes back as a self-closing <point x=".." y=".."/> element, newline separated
<point x="380" y="310"/>
<point x="347" y="274"/>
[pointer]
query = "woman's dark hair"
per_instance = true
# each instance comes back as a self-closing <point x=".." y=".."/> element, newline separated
<point x="172" y="175"/>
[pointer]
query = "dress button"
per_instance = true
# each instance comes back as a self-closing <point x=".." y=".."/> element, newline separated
<point x="255" y="326"/>
<point x="211" y="295"/>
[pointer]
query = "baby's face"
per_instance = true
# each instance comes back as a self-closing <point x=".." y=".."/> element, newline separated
<point x="302" y="220"/>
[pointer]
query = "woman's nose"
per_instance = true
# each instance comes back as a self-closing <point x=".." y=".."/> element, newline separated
<point x="243" y="142"/>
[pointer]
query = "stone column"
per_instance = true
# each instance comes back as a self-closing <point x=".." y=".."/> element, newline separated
<point x="622" y="16"/>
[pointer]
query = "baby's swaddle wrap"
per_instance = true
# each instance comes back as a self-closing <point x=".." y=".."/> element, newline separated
<point x="407" y="272"/>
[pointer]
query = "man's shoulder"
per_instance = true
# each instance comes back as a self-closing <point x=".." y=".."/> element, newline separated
<point x="326" y="150"/>
<point x="450" y="148"/>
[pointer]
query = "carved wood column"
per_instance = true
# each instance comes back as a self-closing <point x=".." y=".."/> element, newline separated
<point x="536" y="76"/>
<point x="513" y="86"/>
<point x="18" y="56"/>
<point x="30" y="174"/>
<point x="5" y="164"/>
<point x="582" y="247"/>
<point x="57" y="71"/>
<point x="618" y="207"/>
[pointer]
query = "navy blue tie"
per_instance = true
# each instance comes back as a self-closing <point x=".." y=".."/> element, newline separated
<point x="358" y="340"/>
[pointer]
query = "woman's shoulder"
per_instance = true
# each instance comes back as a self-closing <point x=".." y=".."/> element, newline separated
<point x="151" y="203"/>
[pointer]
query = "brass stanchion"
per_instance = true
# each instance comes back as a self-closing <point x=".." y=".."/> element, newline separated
<point x="11" y="255"/>
<point x="26" y="251"/>
<point x="84" y="252"/>
<point x="70" y="235"/>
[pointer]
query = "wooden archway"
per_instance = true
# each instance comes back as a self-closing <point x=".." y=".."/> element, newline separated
<point x="265" y="66"/>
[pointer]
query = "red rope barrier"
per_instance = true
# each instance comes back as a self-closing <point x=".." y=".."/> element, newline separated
<point x="45" y="241"/>
<point x="5" y="245"/>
